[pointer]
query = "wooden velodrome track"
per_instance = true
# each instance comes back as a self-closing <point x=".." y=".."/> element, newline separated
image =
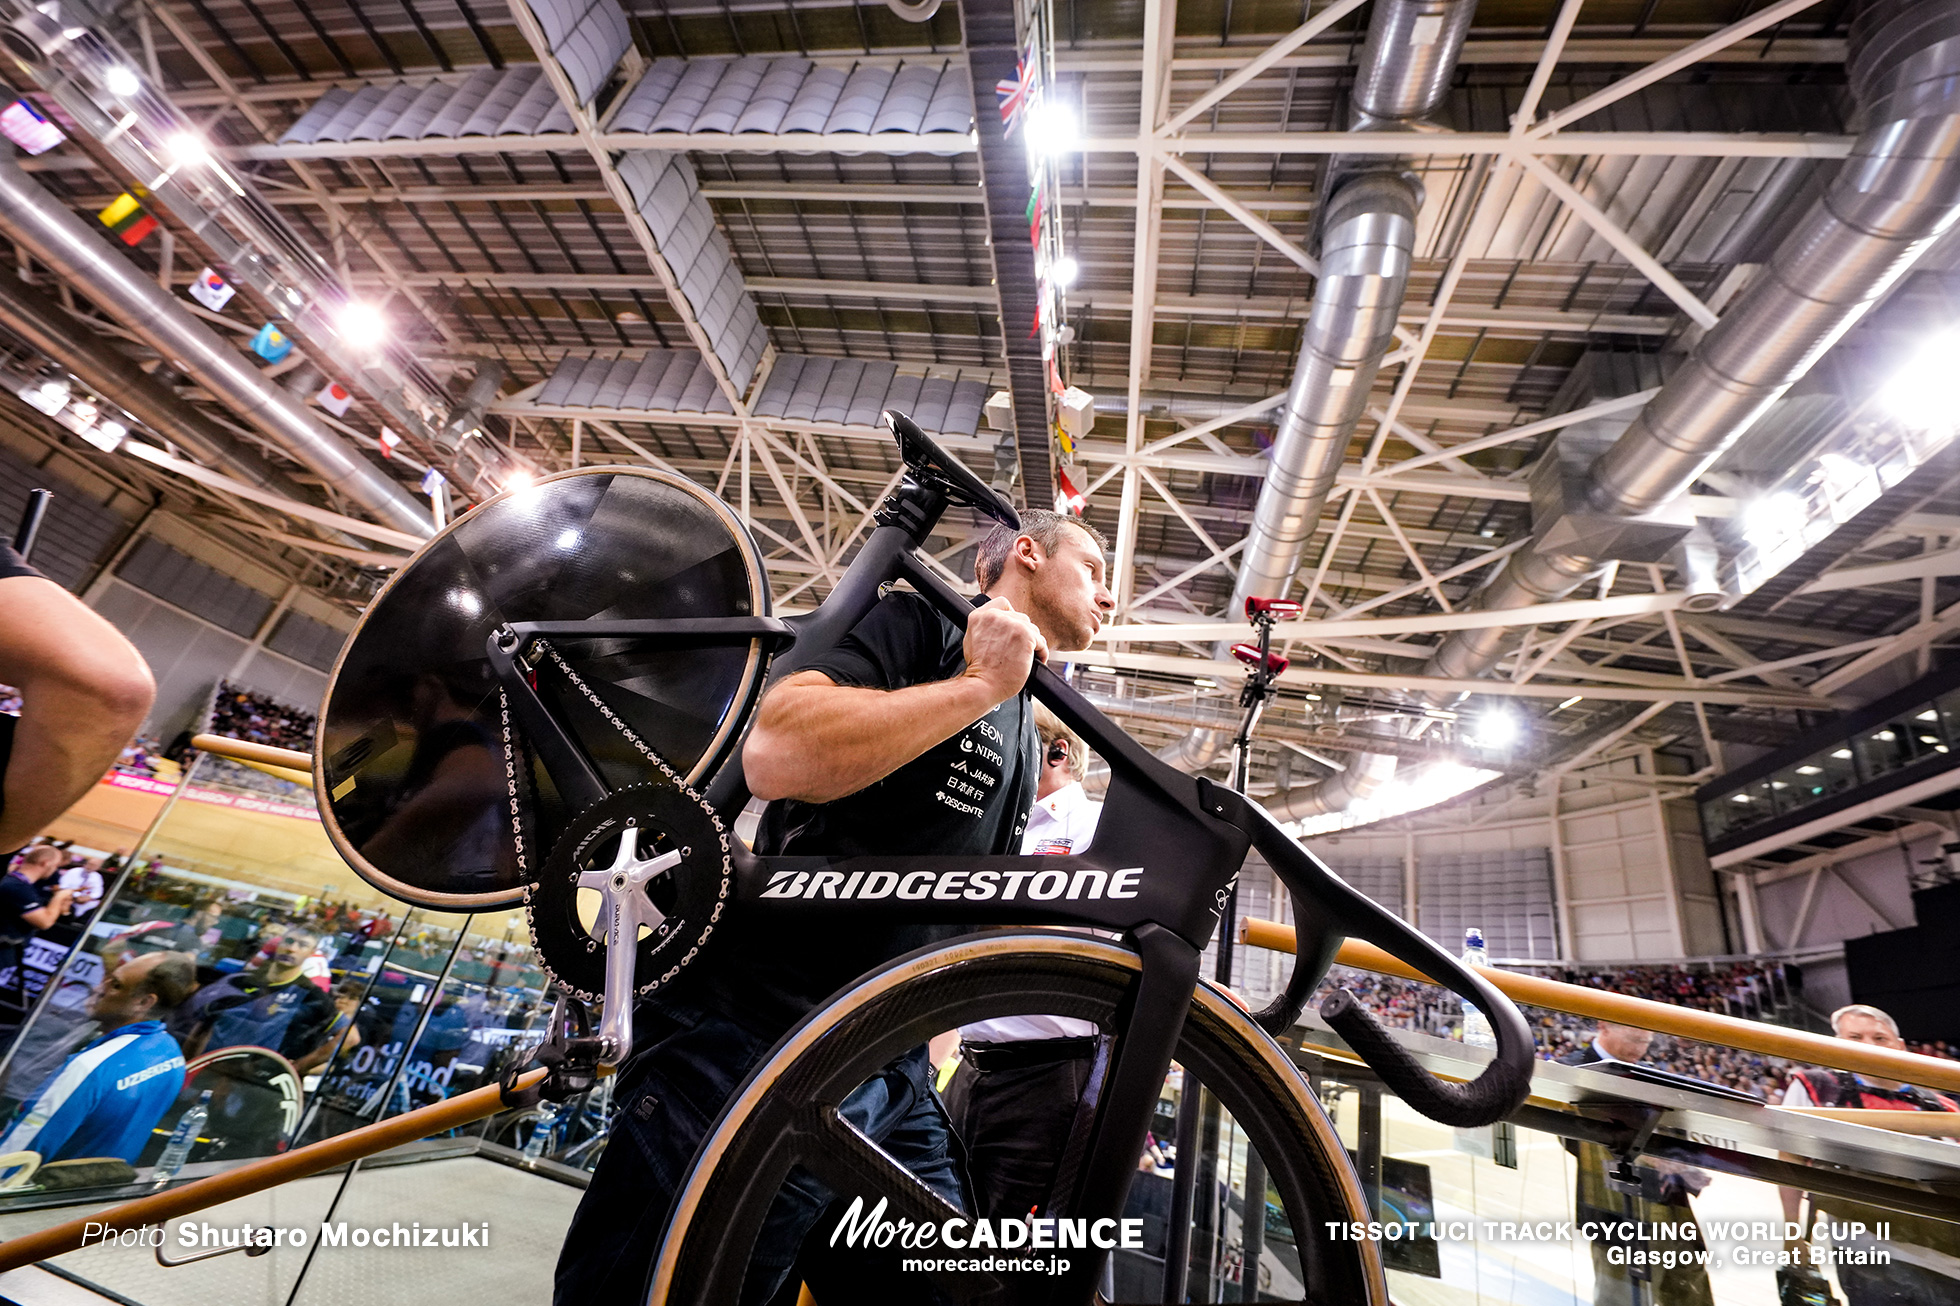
<point x="479" y="1104"/>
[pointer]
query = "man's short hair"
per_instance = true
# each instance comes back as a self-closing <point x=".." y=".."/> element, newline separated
<point x="1860" y="1009"/>
<point x="42" y="852"/>
<point x="171" y="980"/>
<point x="1050" y="728"/>
<point x="1038" y="524"/>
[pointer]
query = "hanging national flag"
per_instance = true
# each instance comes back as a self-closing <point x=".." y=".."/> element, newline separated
<point x="1012" y="93"/>
<point x="388" y="442"/>
<point x="336" y="398"/>
<point x="126" y="218"/>
<point x="21" y="124"/>
<point x="1068" y="498"/>
<point x="432" y="480"/>
<point x="1037" y="209"/>
<point x="212" y="290"/>
<point x="1064" y="444"/>
<point x="271" y="343"/>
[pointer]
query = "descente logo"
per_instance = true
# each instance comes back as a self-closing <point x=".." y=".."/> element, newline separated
<point x="1087" y="883"/>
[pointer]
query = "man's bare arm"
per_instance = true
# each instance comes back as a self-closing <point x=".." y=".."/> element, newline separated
<point x="49" y="912"/>
<point x="84" y="691"/>
<point x="818" y="741"/>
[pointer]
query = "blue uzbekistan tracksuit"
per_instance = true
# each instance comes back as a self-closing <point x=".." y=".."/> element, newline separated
<point x="105" y="1099"/>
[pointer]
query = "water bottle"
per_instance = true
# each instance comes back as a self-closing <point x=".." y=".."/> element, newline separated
<point x="540" y="1131"/>
<point x="182" y="1139"/>
<point x="1476" y="1026"/>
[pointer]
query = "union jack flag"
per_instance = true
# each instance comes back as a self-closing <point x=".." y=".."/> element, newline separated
<point x="1013" y="94"/>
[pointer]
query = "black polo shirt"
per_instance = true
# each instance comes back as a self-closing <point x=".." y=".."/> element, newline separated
<point x="969" y="794"/>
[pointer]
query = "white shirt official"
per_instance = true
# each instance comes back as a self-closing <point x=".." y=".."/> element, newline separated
<point x="1062" y="823"/>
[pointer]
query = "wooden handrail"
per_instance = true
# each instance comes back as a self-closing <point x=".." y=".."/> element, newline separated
<point x="1662" y="1018"/>
<point x="1931" y="1124"/>
<point x="244" y="750"/>
<point x="258" y="1176"/>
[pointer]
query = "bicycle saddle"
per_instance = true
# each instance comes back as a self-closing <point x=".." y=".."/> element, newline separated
<point x="931" y="465"/>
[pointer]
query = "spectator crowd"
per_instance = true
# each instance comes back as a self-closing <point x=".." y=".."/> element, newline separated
<point x="1753" y="990"/>
<point x="241" y="713"/>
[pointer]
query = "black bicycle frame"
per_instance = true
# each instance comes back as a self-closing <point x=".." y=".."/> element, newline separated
<point x="1163" y="861"/>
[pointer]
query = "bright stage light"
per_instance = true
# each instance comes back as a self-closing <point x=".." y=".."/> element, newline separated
<point x="1923" y="394"/>
<point x="362" y="325"/>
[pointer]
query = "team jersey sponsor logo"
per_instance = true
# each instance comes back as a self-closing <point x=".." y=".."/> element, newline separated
<point x="1087" y="883"/>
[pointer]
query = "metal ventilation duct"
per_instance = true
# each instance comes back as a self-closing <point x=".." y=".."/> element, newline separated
<point x="39" y="321"/>
<point x="1368" y="237"/>
<point x="1895" y="195"/>
<point x="81" y="256"/>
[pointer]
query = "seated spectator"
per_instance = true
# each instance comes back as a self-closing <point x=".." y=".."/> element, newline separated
<point x="107" y="1098"/>
<point x="347" y="998"/>
<point x="196" y="935"/>
<point x="274" y="1007"/>
<point x="23" y="910"/>
<point x="84" y="882"/>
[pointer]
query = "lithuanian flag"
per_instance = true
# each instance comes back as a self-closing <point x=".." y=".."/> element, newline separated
<point x="126" y="218"/>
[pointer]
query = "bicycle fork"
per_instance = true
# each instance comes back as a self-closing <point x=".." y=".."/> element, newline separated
<point x="1151" y="1025"/>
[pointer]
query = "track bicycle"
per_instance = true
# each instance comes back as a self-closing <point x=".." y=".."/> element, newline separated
<point x="545" y="706"/>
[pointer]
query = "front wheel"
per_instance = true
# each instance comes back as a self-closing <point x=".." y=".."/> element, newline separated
<point x="785" y="1115"/>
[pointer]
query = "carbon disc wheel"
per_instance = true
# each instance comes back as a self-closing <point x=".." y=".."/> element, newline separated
<point x="785" y="1114"/>
<point x="567" y="929"/>
<point x="417" y="769"/>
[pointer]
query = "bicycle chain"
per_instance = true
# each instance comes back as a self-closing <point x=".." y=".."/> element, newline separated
<point x="512" y="747"/>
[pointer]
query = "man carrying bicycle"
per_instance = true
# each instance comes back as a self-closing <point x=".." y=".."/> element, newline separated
<point x="909" y="738"/>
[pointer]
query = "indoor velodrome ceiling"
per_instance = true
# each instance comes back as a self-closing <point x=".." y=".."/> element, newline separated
<point x="722" y="252"/>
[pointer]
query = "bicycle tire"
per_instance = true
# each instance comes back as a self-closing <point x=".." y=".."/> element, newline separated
<point x="785" y="1112"/>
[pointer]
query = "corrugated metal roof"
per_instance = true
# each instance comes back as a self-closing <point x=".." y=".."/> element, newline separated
<point x="852" y="392"/>
<point x="665" y="381"/>
<point x="800" y="388"/>
<point x="587" y="37"/>
<point x="791" y="94"/>
<point x="782" y="96"/>
<point x="515" y="101"/>
<point x="668" y="194"/>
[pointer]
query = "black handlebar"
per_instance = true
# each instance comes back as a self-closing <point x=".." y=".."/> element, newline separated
<point x="1326" y="909"/>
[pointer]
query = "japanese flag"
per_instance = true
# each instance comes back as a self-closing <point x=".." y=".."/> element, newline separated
<point x="388" y="442"/>
<point x="211" y="290"/>
<point x="336" y="399"/>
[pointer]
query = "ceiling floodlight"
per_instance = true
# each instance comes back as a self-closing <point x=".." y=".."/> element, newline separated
<point x="1499" y="728"/>
<point x="1053" y="128"/>
<point x="1767" y="520"/>
<point x="188" y="149"/>
<point x="362" y="325"/>
<point x="121" y="81"/>
<point x="1923" y="394"/>
<point x="50" y="396"/>
<point x="1063" y="271"/>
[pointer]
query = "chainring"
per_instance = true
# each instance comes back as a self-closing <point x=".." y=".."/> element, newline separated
<point x="570" y="937"/>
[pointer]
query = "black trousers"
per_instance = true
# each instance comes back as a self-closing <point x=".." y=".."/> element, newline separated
<point x="1016" y="1124"/>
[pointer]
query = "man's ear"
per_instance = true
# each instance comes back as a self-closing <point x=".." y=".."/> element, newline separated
<point x="1027" y="552"/>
